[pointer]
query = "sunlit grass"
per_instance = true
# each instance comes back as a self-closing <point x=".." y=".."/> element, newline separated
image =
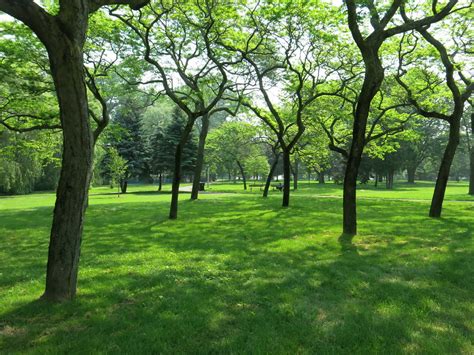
<point x="237" y="273"/>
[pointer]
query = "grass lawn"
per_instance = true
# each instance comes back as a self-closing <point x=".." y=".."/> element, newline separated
<point x="238" y="274"/>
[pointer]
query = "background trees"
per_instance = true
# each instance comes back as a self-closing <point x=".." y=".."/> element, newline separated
<point x="317" y="80"/>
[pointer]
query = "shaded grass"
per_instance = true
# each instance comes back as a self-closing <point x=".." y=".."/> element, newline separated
<point x="237" y="273"/>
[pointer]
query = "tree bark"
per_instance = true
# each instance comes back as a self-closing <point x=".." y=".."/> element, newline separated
<point x="444" y="169"/>
<point x="270" y="175"/>
<point x="160" y="182"/>
<point x="374" y="75"/>
<point x="200" y="156"/>
<point x="242" y="173"/>
<point x="177" y="169"/>
<point x="76" y="170"/>
<point x="286" y="178"/>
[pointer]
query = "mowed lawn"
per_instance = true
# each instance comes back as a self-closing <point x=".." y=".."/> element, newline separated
<point x="236" y="273"/>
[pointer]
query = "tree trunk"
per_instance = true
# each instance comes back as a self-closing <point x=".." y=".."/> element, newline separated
<point x="376" y="180"/>
<point x="200" y="157"/>
<point x="373" y="78"/>
<point x="411" y="174"/>
<point x="286" y="178"/>
<point x="471" y="155"/>
<point x="242" y="173"/>
<point x="444" y="169"/>
<point x="321" y="177"/>
<point x="123" y="186"/>
<point x="295" y="175"/>
<point x="160" y="182"/>
<point x="270" y="175"/>
<point x="177" y="169"/>
<point x="471" y="173"/>
<point x="76" y="170"/>
<point x="389" y="180"/>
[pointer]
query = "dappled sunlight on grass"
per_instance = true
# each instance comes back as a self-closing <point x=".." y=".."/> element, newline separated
<point x="237" y="273"/>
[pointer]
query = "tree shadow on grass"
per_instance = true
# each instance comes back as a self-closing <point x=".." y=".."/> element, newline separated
<point x="252" y="277"/>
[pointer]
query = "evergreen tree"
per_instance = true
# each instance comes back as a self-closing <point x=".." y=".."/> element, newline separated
<point x="163" y="143"/>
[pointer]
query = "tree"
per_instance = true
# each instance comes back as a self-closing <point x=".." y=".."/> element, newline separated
<point x="63" y="34"/>
<point x="117" y="168"/>
<point x="233" y="143"/>
<point x="163" y="146"/>
<point x="470" y="145"/>
<point x="199" y="65"/>
<point x="369" y="43"/>
<point x="290" y="36"/>
<point x="459" y="90"/>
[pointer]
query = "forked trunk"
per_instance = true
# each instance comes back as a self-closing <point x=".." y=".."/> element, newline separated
<point x="200" y="157"/>
<point x="444" y="169"/>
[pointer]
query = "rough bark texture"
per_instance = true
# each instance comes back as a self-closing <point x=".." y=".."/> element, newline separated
<point x="270" y="176"/>
<point x="374" y="76"/>
<point x="242" y="173"/>
<point x="200" y="157"/>
<point x="286" y="178"/>
<point x="444" y="169"/>
<point x="66" y="60"/>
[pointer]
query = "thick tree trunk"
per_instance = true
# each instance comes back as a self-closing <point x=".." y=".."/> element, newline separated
<point x="444" y="169"/>
<point x="200" y="157"/>
<point x="124" y="186"/>
<point x="373" y="79"/>
<point x="286" y="178"/>
<point x="321" y="177"/>
<point x="71" y="195"/>
<point x="242" y="173"/>
<point x="177" y="169"/>
<point x="411" y="174"/>
<point x="270" y="175"/>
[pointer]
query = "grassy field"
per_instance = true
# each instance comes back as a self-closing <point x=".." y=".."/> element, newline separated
<point x="238" y="274"/>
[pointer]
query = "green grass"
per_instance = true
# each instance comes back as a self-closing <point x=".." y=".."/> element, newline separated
<point x="239" y="274"/>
